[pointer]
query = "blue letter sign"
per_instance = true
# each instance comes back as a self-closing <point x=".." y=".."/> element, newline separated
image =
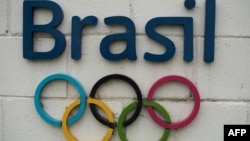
<point x="129" y="37"/>
<point x="187" y="22"/>
<point x="29" y="28"/>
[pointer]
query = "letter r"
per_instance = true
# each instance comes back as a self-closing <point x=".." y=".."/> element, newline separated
<point x="29" y="28"/>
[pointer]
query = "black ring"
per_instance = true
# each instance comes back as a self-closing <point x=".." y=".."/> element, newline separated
<point x="129" y="81"/>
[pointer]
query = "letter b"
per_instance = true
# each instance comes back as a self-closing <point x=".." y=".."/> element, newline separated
<point x="29" y="28"/>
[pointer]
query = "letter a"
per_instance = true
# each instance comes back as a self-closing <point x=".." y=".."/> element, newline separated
<point x="129" y="37"/>
<point x="231" y="132"/>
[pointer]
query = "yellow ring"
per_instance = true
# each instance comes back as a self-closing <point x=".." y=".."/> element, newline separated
<point x="76" y="103"/>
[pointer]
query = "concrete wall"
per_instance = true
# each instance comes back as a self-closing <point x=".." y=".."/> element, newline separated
<point x="224" y="85"/>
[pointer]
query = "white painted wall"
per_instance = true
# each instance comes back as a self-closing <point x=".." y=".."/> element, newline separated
<point x="224" y="85"/>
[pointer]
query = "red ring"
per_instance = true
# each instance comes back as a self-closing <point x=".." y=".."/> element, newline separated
<point x="193" y="114"/>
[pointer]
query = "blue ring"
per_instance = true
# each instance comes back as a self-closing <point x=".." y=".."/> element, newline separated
<point x="38" y="105"/>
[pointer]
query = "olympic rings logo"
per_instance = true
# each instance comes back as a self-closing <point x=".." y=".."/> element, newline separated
<point x="122" y="121"/>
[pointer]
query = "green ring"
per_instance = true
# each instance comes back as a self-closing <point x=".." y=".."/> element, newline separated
<point x="132" y="106"/>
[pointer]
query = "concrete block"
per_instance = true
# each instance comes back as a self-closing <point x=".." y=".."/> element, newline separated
<point x="26" y="124"/>
<point x="232" y="18"/>
<point x="4" y="17"/>
<point x="226" y="77"/>
<point x="21" y="76"/>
